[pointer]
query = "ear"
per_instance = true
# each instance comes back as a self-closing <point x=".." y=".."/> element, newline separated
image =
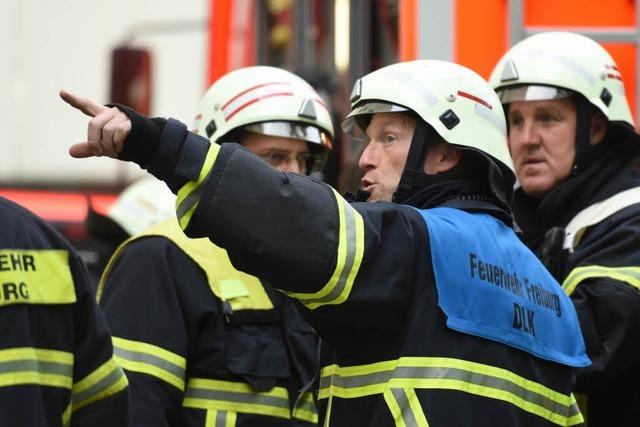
<point x="598" y="128"/>
<point x="442" y="157"/>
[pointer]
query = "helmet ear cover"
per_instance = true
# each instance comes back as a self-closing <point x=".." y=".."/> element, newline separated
<point x="492" y="179"/>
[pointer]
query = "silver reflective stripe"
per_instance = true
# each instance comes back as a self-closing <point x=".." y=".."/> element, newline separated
<point x="446" y="373"/>
<point x="489" y="116"/>
<point x="221" y="419"/>
<point x="98" y="387"/>
<point x="158" y="362"/>
<point x="40" y="366"/>
<point x="403" y="402"/>
<point x="567" y="62"/>
<point x="350" y="229"/>
<point x="235" y="397"/>
<point x="193" y="198"/>
<point x="306" y="406"/>
<point x="415" y="84"/>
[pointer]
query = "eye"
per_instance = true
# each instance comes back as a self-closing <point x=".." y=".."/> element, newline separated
<point x="303" y="158"/>
<point x="274" y="159"/>
<point x="389" y="138"/>
<point x="515" y="121"/>
<point x="546" y="118"/>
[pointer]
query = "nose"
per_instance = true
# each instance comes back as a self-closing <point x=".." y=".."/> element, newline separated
<point x="528" y="134"/>
<point x="369" y="157"/>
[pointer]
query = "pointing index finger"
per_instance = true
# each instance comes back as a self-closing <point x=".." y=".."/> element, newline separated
<point x="85" y="105"/>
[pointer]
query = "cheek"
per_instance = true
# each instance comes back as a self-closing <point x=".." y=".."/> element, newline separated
<point x="514" y="147"/>
<point x="562" y="150"/>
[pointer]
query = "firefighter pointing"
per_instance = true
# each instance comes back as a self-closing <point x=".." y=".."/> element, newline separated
<point x="419" y="335"/>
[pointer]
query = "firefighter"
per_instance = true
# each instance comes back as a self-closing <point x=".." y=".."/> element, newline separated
<point x="573" y="139"/>
<point x="56" y="355"/>
<point x="436" y="313"/>
<point x="213" y="346"/>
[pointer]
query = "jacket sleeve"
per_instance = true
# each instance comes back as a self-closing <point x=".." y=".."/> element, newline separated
<point x="142" y="305"/>
<point x="100" y="392"/>
<point x="287" y="229"/>
<point x="298" y="233"/>
<point x="604" y="284"/>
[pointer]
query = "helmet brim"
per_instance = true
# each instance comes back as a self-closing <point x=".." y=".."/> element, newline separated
<point x="532" y="93"/>
<point x="302" y="131"/>
<point x="355" y="125"/>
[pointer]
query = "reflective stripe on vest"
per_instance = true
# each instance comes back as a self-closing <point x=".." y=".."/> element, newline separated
<point x="240" y="290"/>
<point x="241" y="398"/>
<point x="349" y="257"/>
<point x="449" y="374"/>
<point x="629" y="275"/>
<point x="136" y="356"/>
<point x="28" y="365"/>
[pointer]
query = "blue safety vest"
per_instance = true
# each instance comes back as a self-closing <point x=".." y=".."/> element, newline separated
<point x="490" y="285"/>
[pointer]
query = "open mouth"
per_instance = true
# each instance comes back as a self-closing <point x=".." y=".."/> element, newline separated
<point x="366" y="184"/>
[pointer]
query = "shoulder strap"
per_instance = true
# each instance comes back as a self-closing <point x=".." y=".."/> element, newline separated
<point x="242" y="291"/>
<point x="597" y="213"/>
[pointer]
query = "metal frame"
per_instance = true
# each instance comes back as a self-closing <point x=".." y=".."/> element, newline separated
<point x="518" y="31"/>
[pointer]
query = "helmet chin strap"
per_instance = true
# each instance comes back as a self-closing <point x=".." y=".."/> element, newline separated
<point x="413" y="168"/>
<point x="585" y="153"/>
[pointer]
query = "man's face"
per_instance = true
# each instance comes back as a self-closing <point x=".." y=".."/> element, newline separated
<point x="542" y="138"/>
<point x="383" y="158"/>
<point x="284" y="154"/>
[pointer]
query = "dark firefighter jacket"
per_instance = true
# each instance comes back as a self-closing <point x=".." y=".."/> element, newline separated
<point x="602" y="277"/>
<point x="364" y="273"/>
<point x="56" y="359"/>
<point x="202" y="343"/>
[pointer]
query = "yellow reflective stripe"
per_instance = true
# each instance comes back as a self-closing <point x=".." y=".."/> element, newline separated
<point x="577" y="418"/>
<point x="405" y="407"/>
<point x="453" y="374"/>
<point x="66" y="416"/>
<point x="348" y="260"/>
<point x="236" y="397"/>
<point x="136" y="356"/>
<point x="105" y="381"/>
<point x="416" y="408"/>
<point x="396" y="412"/>
<point x="189" y="194"/>
<point x="28" y="365"/>
<point x="305" y="408"/>
<point x="630" y="275"/>
<point x="216" y="418"/>
<point x="29" y="276"/>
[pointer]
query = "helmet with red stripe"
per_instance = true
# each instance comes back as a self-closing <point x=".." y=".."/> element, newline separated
<point x="269" y="101"/>
<point x="555" y="64"/>
<point x="452" y="103"/>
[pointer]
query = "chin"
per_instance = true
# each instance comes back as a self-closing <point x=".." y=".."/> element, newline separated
<point x="536" y="189"/>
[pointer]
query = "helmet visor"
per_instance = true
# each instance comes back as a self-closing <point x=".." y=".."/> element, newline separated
<point x="356" y="123"/>
<point x="531" y="93"/>
<point x="303" y="131"/>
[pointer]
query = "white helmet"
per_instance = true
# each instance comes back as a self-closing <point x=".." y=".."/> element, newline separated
<point x="546" y="65"/>
<point x="455" y="101"/>
<point x="142" y="204"/>
<point x="269" y="101"/>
